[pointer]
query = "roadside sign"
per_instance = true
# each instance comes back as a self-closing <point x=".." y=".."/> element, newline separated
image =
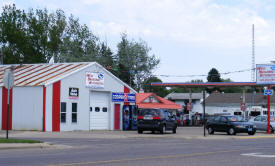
<point x="189" y="106"/>
<point x="8" y="78"/>
<point x="268" y="92"/>
<point x="243" y="106"/>
<point x="265" y="73"/>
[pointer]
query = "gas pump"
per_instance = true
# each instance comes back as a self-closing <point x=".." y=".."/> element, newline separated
<point x="126" y="117"/>
<point x="134" y="115"/>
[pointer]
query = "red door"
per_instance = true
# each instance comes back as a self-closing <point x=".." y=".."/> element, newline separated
<point x="117" y="116"/>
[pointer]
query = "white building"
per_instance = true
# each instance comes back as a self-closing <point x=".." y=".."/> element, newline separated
<point x="62" y="97"/>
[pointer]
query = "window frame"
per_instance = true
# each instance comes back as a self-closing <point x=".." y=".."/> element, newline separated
<point x="63" y="112"/>
<point x="74" y="113"/>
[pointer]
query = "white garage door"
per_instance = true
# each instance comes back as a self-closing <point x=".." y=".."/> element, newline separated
<point x="99" y="110"/>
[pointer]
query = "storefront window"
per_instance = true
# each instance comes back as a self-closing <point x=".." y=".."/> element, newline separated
<point x="74" y="112"/>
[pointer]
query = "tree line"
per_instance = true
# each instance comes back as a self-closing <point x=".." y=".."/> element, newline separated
<point x="37" y="35"/>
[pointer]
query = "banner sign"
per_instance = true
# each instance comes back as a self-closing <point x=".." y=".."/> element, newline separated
<point x="265" y="73"/>
<point x="124" y="97"/>
<point x="73" y="93"/>
<point x="94" y="80"/>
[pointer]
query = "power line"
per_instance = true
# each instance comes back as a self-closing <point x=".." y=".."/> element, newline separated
<point x="204" y="75"/>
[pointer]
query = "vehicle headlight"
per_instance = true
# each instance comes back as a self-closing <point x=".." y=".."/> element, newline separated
<point x="254" y="126"/>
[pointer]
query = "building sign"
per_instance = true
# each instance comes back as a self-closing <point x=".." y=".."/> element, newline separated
<point x="94" y="80"/>
<point x="73" y="93"/>
<point x="265" y="73"/>
<point x="124" y="97"/>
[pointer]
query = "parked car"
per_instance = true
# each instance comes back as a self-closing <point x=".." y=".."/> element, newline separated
<point x="260" y="122"/>
<point x="230" y="124"/>
<point x="156" y="120"/>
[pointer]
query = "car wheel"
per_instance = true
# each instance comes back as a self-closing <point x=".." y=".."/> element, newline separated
<point x="140" y="131"/>
<point x="163" y="129"/>
<point x="231" y="131"/>
<point x="175" y="130"/>
<point x="251" y="133"/>
<point x="271" y="129"/>
<point x="210" y="130"/>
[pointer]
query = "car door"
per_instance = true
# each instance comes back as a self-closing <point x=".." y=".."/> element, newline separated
<point x="170" y="121"/>
<point x="257" y="122"/>
<point x="223" y="124"/>
<point x="263" y="123"/>
<point x="215" y="123"/>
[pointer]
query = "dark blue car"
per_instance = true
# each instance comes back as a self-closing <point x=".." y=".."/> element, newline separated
<point x="231" y="125"/>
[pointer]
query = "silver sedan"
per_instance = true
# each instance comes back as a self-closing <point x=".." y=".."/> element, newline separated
<point x="261" y="123"/>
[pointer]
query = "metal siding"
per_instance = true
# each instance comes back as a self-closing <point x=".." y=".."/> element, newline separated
<point x="76" y="80"/>
<point x="44" y="108"/>
<point x="27" y="108"/>
<point x="49" y="92"/>
<point x="40" y="74"/>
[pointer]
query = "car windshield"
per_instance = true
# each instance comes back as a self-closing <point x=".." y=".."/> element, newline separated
<point x="149" y="112"/>
<point x="236" y="119"/>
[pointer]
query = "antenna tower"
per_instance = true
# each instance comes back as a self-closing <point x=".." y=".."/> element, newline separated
<point x="253" y="56"/>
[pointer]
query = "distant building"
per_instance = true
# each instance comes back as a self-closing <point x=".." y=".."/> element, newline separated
<point x="183" y="99"/>
<point x="229" y="103"/>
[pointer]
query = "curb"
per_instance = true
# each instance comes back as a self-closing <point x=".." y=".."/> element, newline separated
<point x="8" y="146"/>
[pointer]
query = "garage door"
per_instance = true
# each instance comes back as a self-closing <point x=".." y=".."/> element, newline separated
<point x="99" y="110"/>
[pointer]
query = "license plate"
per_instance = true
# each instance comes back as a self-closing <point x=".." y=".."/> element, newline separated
<point x="249" y="129"/>
<point x="148" y="118"/>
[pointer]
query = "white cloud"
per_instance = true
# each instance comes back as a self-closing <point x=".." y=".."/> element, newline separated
<point x="198" y="21"/>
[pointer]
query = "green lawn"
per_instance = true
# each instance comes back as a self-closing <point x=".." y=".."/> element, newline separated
<point x="4" y="140"/>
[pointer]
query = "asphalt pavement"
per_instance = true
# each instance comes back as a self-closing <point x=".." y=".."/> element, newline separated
<point x="188" y="147"/>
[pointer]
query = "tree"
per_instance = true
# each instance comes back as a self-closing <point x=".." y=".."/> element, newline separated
<point x="213" y="76"/>
<point x="134" y="62"/>
<point x="159" y="90"/>
<point x="36" y="36"/>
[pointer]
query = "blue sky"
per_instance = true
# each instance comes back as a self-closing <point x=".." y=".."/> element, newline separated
<point x="189" y="36"/>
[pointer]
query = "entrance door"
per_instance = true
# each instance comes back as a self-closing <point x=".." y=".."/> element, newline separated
<point x="117" y="116"/>
<point x="99" y="110"/>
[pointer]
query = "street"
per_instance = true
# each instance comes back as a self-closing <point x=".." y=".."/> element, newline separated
<point x="151" y="150"/>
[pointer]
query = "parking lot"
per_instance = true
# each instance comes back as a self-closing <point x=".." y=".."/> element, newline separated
<point x="182" y="133"/>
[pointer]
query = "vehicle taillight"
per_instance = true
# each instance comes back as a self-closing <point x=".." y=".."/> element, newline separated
<point x="140" y="117"/>
<point x="156" y="117"/>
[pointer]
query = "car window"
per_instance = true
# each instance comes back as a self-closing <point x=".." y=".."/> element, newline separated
<point x="263" y="119"/>
<point x="236" y="119"/>
<point x="223" y="119"/>
<point x="152" y="112"/>
<point x="258" y="118"/>
<point x="217" y="118"/>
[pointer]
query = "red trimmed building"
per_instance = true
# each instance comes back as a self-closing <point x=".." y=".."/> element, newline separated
<point x="62" y="97"/>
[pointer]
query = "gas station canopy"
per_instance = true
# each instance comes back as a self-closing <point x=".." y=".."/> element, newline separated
<point x="206" y="84"/>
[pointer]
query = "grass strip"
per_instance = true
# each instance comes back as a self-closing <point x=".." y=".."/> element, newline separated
<point x="4" y="140"/>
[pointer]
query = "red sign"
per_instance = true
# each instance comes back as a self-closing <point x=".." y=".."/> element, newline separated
<point x="243" y="106"/>
<point x="189" y="106"/>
